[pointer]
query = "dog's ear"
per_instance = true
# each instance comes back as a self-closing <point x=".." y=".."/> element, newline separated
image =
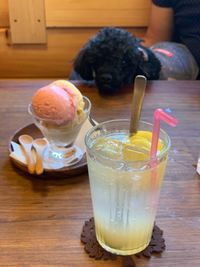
<point x="149" y="65"/>
<point x="83" y="64"/>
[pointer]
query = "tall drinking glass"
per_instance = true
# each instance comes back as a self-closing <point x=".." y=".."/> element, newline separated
<point x="125" y="185"/>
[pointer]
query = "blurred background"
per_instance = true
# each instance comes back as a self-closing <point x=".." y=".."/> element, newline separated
<point x="40" y="38"/>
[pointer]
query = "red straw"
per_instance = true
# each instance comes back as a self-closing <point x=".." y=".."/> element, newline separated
<point x="159" y="115"/>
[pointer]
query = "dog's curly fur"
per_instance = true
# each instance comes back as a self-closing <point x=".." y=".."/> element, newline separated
<point x="113" y="58"/>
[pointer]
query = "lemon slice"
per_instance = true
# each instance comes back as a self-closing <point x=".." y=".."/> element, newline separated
<point x="143" y="139"/>
<point x="132" y="153"/>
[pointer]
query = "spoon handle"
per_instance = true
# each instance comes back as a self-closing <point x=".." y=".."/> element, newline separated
<point x="39" y="162"/>
<point x="29" y="158"/>
<point x="137" y="101"/>
<point x="39" y="145"/>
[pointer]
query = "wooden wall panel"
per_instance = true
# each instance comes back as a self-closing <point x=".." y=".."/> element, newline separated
<point x="89" y="13"/>
<point x="52" y="60"/>
<point x="70" y="23"/>
<point x="97" y="13"/>
<point x="4" y="18"/>
<point x="27" y="21"/>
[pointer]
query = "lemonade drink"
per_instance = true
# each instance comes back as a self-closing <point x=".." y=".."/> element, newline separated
<point x="125" y="184"/>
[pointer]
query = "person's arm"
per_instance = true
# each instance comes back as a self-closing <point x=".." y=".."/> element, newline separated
<point x="160" y="25"/>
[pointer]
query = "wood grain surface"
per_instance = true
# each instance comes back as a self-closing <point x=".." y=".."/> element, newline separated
<point x="88" y="13"/>
<point x="41" y="219"/>
<point x="52" y="60"/>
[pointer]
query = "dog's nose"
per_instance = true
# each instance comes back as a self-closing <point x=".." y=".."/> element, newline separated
<point x="106" y="77"/>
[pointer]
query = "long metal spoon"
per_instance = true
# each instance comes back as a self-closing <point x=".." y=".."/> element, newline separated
<point x="26" y="142"/>
<point x="40" y="144"/>
<point x="137" y="101"/>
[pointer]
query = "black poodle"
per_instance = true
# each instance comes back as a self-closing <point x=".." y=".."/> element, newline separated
<point x="114" y="57"/>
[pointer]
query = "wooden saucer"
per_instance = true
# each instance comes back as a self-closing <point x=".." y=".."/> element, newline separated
<point x="32" y="130"/>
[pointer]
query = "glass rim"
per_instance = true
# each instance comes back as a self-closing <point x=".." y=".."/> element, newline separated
<point x="145" y="162"/>
<point x="31" y="112"/>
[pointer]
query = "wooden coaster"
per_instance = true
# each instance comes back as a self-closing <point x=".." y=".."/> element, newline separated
<point x="94" y="250"/>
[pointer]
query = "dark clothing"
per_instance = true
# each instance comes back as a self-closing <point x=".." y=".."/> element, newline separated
<point x="186" y="23"/>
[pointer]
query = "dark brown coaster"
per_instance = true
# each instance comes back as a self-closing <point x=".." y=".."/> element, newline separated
<point x="94" y="250"/>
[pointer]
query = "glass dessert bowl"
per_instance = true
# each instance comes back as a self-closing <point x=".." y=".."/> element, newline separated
<point x="61" y="136"/>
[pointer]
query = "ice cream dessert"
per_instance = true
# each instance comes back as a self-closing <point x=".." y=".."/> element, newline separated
<point x="74" y="92"/>
<point x="59" y="110"/>
<point x="59" y="102"/>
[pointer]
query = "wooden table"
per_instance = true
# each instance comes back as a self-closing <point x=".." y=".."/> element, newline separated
<point x="41" y="220"/>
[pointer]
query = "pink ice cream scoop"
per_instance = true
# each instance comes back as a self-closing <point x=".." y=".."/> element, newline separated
<point x="55" y="104"/>
<point x="71" y="89"/>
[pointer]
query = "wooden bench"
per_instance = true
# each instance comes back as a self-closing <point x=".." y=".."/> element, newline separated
<point x="69" y="24"/>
